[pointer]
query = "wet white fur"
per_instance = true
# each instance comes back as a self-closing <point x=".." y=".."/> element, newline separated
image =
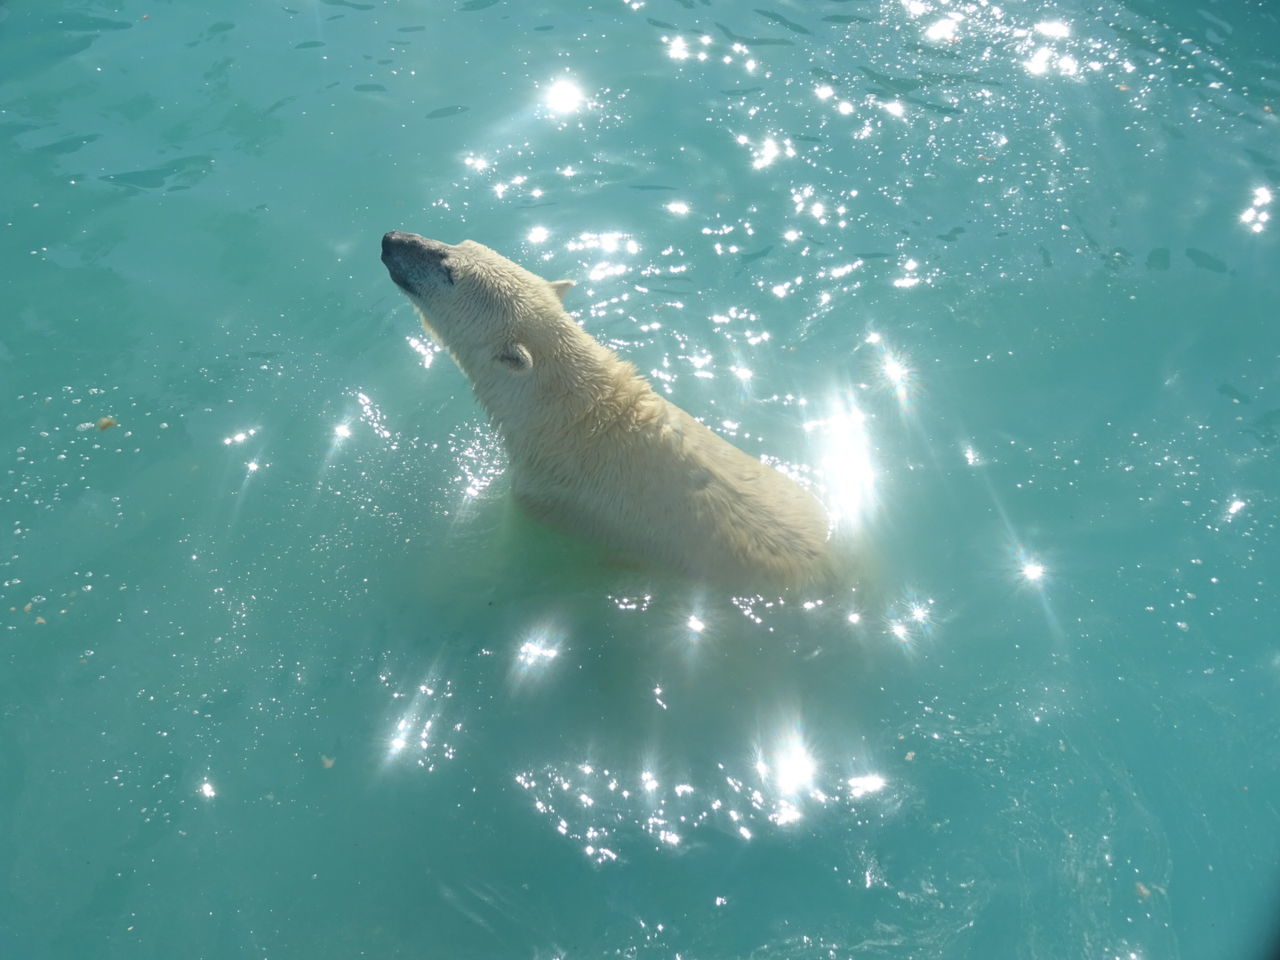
<point x="595" y="451"/>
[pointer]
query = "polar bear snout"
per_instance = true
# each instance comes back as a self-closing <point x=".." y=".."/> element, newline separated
<point x="415" y="263"/>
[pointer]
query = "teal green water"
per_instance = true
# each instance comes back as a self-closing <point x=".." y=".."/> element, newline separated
<point x="282" y="673"/>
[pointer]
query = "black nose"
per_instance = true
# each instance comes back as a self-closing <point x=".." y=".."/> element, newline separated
<point x="394" y="239"/>
<point x="412" y="260"/>
<point x="399" y="242"/>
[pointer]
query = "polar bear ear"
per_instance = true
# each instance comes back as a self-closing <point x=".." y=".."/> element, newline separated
<point x="561" y="287"/>
<point x="516" y="357"/>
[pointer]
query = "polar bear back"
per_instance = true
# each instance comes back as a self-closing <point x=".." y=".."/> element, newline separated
<point x="674" y="493"/>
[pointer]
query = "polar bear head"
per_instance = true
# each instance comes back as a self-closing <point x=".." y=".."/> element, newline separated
<point x="504" y="325"/>
<point x="481" y="306"/>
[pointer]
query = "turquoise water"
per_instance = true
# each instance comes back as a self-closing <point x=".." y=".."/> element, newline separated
<point x="285" y="675"/>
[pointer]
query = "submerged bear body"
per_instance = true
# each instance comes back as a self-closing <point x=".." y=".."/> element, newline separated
<point x="593" y="449"/>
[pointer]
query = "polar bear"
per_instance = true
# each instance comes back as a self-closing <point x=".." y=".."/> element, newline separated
<point x="593" y="449"/>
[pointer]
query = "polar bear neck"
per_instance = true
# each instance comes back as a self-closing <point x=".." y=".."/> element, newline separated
<point x="579" y="388"/>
